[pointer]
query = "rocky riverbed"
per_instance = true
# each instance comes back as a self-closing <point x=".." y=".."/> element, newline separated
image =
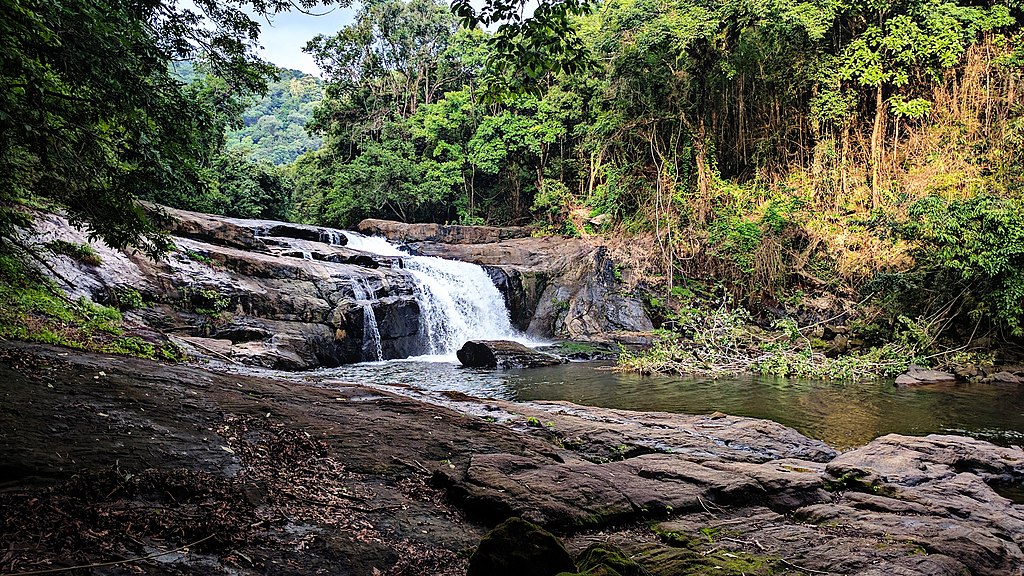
<point x="289" y="296"/>
<point x="178" y="469"/>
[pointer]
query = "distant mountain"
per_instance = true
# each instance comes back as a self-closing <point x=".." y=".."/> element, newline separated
<point x="275" y="125"/>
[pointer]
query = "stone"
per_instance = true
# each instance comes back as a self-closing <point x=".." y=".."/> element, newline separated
<point x="445" y="234"/>
<point x="607" y="559"/>
<point x="916" y="376"/>
<point x="1004" y="377"/>
<point x="503" y="354"/>
<point x="519" y="548"/>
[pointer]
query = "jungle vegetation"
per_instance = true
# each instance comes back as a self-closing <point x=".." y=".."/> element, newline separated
<point x="761" y="153"/>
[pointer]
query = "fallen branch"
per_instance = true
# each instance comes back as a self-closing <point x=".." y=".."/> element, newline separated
<point x="113" y="563"/>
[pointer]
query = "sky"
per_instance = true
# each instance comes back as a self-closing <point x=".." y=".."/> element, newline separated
<point x="284" y="38"/>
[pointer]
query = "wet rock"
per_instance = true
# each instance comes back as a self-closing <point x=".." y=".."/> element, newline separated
<point x="562" y="287"/>
<point x="503" y="354"/>
<point x="519" y="548"/>
<point x="302" y="232"/>
<point x="916" y="376"/>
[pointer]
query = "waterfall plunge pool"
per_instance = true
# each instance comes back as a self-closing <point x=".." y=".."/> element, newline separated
<point x="843" y="414"/>
<point x="459" y="303"/>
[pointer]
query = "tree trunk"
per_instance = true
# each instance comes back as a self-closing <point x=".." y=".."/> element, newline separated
<point x="703" y="176"/>
<point x="876" y="149"/>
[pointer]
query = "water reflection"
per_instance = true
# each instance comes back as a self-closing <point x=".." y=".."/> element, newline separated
<point x="844" y="414"/>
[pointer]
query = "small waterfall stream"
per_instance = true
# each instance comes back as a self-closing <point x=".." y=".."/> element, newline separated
<point x="363" y="293"/>
<point x="457" y="300"/>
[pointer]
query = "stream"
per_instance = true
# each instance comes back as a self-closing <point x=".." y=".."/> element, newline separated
<point x="843" y="414"/>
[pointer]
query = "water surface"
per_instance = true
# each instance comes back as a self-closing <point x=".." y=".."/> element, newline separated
<point x="843" y="414"/>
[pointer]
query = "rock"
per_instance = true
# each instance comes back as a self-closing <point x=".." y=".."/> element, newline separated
<point x="916" y="376"/>
<point x="503" y="354"/>
<point x="211" y="229"/>
<point x="555" y="287"/>
<point x="224" y="282"/>
<point x="519" y="548"/>
<point x="601" y="558"/>
<point x="1004" y="377"/>
<point x="445" y="234"/>
<point x="968" y="371"/>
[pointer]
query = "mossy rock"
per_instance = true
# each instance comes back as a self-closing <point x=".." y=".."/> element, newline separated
<point x="519" y="548"/>
<point x="602" y="559"/>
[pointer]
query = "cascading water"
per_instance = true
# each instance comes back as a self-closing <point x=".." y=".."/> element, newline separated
<point x="363" y="294"/>
<point x="457" y="300"/>
<point x="331" y="237"/>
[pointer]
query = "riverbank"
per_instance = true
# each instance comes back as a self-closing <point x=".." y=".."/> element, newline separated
<point x="113" y="458"/>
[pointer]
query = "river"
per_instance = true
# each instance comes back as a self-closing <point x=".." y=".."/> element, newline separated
<point x="843" y="414"/>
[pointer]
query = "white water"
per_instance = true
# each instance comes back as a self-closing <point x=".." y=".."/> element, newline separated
<point x="363" y="293"/>
<point x="457" y="300"/>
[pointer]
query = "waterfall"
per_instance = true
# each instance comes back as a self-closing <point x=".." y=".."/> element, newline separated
<point x="363" y="294"/>
<point x="457" y="300"/>
<point x="330" y="237"/>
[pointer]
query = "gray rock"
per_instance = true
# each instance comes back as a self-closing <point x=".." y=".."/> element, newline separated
<point x="1004" y="377"/>
<point x="503" y="354"/>
<point x="916" y="376"/>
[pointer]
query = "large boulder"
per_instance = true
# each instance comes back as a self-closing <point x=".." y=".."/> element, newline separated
<point x="503" y="354"/>
<point x="448" y="234"/>
<point x="917" y="376"/>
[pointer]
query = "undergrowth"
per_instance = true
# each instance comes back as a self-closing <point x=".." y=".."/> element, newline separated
<point x="726" y="341"/>
<point x="34" y="309"/>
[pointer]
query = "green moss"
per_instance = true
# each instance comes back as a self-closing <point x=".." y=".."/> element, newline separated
<point x="700" y="555"/>
<point x="80" y="252"/>
<point x="131" y="346"/>
<point x="36" y="310"/>
<point x="128" y="298"/>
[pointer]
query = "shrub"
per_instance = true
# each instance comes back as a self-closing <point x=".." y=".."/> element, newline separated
<point x="83" y="253"/>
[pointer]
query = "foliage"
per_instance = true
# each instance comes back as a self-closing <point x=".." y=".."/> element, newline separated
<point x="723" y="342"/>
<point x="91" y="118"/>
<point x="971" y="257"/>
<point x="274" y="126"/>
<point x="36" y="310"/>
<point x="83" y="253"/>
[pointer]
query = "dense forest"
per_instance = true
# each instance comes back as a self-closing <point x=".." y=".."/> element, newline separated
<point x="753" y="154"/>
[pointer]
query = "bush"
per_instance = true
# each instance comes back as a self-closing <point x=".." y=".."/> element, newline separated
<point x="970" y="253"/>
<point x="81" y="252"/>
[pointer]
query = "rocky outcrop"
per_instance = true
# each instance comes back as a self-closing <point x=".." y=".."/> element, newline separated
<point x="554" y="286"/>
<point x="446" y="234"/>
<point x="231" y="290"/>
<point x="293" y="296"/>
<point x="503" y="354"/>
<point x="899" y="505"/>
<point x="324" y="477"/>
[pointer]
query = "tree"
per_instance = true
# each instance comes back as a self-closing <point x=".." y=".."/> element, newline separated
<point x="91" y="118"/>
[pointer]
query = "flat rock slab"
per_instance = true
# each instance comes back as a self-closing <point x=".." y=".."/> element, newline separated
<point x="503" y="354"/>
<point x="300" y="476"/>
